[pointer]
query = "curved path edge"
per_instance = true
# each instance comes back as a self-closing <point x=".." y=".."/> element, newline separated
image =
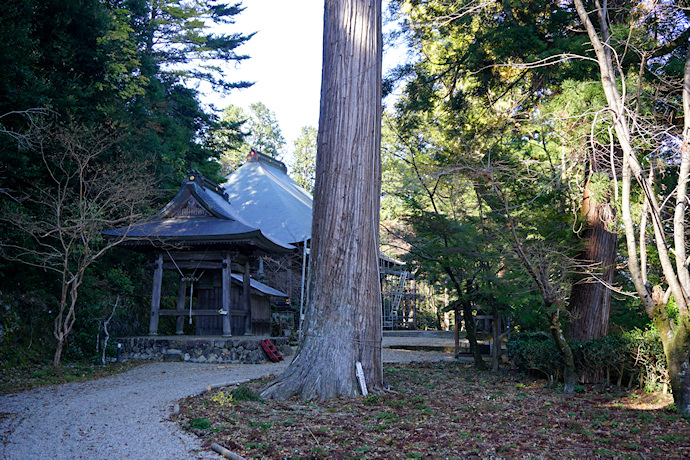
<point x="127" y="416"/>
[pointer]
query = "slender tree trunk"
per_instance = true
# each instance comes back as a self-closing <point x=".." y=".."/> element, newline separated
<point x="497" y="338"/>
<point x="65" y="317"/>
<point x="590" y="298"/>
<point x="456" y="331"/>
<point x="343" y="319"/>
<point x="468" y="318"/>
<point x="675" y="335"/>
<point x="471" y="333"/>
<point x="569" y="376"/>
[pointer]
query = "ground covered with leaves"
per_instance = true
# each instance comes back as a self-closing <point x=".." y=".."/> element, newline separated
<point x="443" y="410"/>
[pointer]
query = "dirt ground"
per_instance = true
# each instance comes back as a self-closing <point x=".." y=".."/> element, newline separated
<point x="443" y="410"/>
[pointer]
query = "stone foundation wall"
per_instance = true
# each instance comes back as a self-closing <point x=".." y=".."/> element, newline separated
<point x="199" y="350"/>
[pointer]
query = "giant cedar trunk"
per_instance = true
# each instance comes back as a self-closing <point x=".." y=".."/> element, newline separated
<point x="343" y="320"/>
<point x="590" y="298"/>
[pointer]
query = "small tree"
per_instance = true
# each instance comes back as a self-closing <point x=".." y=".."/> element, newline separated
<point x="546" y="266"/>
<point x="59" y="222"/>
<point x="264" y="131"/>
<point x="230" y="137"/>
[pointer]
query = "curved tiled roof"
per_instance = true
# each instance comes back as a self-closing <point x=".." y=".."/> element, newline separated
<point x="199" y="214"/>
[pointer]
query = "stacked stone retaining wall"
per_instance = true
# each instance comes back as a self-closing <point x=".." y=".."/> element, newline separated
<point x="200" y="350"/>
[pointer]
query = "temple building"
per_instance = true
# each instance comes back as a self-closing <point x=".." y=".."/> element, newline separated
<point x="201" y="237"/>
<point x="214" y="237"/>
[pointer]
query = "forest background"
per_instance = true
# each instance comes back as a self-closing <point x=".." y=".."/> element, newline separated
<point x="504" y="172"/>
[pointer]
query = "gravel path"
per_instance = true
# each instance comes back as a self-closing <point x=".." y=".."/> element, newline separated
<point x="126" y="416"/>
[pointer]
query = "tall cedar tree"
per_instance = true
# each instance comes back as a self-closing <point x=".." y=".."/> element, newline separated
<point x="343" y="320"/>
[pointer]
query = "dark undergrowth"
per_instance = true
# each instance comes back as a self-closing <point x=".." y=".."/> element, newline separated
<point x="16" y="379"/>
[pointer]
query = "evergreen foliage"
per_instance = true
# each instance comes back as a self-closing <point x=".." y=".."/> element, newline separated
<point x="635" y="358"/>
<point x="304" y="167"/>
<point x="264" y="132"/>
<point x="238" y="132"/>
<point x="124" y="69"/>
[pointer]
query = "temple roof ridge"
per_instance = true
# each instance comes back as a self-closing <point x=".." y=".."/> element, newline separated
<point x="256" y="156"/>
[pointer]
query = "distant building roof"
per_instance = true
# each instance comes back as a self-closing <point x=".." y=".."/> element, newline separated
<point x="199" y="214"/>
<point x="267" y="198"/>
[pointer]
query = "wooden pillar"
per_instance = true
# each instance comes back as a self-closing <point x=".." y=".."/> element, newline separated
<point x="247" y="299"/>
<point x="227" y="297"/>
<point x="156" y="295"/>
<point x="181" y="292"/>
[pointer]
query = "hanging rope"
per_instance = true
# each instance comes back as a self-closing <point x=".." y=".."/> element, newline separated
<point x="191" y="297"/>
<point x="191" y="279"/>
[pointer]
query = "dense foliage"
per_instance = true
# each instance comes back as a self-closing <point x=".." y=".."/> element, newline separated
<point x="108" y="84"/>
<point x="633" y="359"/>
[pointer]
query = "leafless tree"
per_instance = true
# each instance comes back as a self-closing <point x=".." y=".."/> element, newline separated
<point x="670" y="244"/>
<point x="59" y="222"/>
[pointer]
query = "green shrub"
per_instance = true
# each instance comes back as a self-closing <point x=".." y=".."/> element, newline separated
<point x="647" y="352"/>
<point x="243" y="393"/>
<point x="200" y="423"/>
<point x="634" y="357"/>
<point x="535" y="351"/>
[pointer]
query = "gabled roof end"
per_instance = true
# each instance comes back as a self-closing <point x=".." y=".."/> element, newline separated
<point x="197" y="177"/>
<point x="256" y="156"/>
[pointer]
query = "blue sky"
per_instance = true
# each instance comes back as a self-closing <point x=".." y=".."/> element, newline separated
<point x="285" y="62"/>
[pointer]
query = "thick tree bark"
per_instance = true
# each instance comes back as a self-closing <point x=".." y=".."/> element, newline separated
<point x="343" y="319"/>
<point x="590" y="297"/>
